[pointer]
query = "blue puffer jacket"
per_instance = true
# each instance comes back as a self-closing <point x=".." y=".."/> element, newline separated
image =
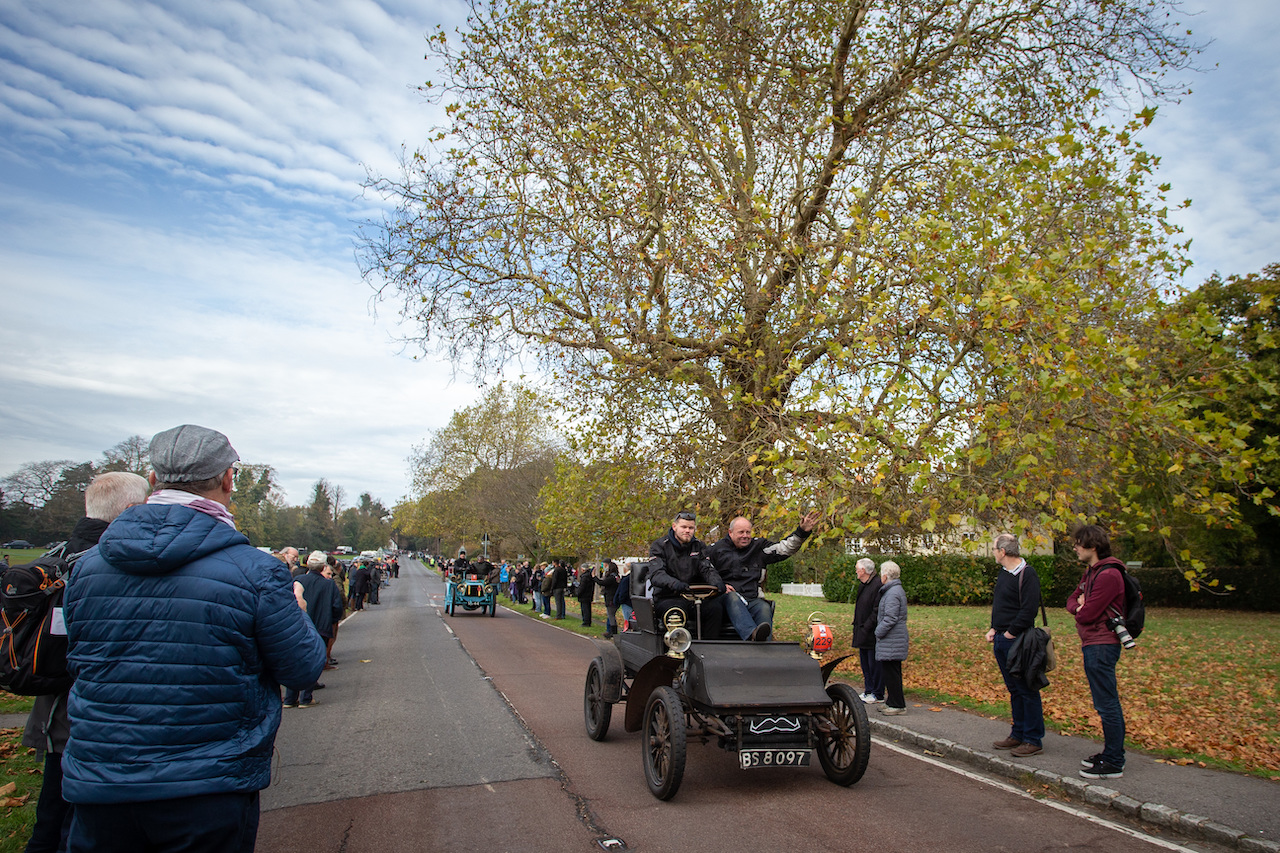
<point x="180" y="635"/>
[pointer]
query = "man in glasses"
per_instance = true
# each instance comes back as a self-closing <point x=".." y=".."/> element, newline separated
<point x="677" y="561"/>
<point x="181" y="634"/>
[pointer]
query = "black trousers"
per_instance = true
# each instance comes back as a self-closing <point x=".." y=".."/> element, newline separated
<point x="53" y="814"/>
<point x="214" y="823"/>
<point x="893" y="683"/>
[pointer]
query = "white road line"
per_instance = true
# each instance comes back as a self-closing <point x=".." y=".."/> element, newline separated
<point x="1053" y="804"/>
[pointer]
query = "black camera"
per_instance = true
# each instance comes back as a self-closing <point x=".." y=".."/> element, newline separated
<point x="1116" y="623"/>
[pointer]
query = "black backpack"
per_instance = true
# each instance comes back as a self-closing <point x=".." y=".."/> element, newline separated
<point x="1135" y="611"/>
<point x="33" y="647"/>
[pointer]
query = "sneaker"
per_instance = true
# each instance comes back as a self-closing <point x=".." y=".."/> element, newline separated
<point x="1091" y="760"/>
<point x="761" y="632"/>
<point x="1026" y="749"/>
<point x="291" y="704"/>
<point x="310" y="704"/>
<point x="1007" y="743"/>
<point x="890" y="711"/>
<point x="1101" y="769"/>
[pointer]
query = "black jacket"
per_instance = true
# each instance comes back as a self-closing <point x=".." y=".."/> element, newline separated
<point x="1027" y="658"/>
<point x="743" y="568"/>
<point x="586" y="585"/>
<point x="324" y="601"/>
<point x="674" y="565"/>
<point x="1015" y="600"/>
<point x="864" y="613"/>
<point x="48" y="727"/>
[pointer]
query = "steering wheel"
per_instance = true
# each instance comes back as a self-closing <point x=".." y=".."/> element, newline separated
<point x="700" y="592"/>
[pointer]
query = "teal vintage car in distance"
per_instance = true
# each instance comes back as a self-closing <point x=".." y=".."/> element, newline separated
<point x="470" y="589"/>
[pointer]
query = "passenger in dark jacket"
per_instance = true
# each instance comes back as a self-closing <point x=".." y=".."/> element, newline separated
<point x="181" y="634"/>
<point x="1013" y="614"/>
<point x="864" y="630"/>
<point x="48" y="727"/>
<point x="676" y="561"/>
<point x="741" y="559"/>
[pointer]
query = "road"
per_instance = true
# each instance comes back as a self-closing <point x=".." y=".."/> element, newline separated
<point x="465" y="733"/>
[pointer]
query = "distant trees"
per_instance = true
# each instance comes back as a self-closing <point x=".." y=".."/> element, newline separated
<point x="42" y="501"/>
<point x="481" y="473"/>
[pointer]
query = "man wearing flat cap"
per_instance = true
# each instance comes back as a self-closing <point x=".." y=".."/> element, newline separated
<point x="181" y="634"/>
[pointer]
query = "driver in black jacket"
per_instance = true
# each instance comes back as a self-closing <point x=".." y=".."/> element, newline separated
<point x="676" y="561"/>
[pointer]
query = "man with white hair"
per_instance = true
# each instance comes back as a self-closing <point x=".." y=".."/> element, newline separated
<point x="864" y="630"/>
<point x="48" y="728"/>
<point x="181" y="634"/>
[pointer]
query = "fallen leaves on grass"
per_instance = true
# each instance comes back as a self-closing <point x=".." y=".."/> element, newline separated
<point x="1200" y="683"/>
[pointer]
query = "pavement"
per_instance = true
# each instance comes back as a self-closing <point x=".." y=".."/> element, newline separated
<point x="1220" y="807"/>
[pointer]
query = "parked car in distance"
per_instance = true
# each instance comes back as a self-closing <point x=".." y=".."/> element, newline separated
<point x="18" y="543"/>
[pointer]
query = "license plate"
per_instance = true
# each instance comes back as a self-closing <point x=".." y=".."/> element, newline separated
<point x="753" y="758"/>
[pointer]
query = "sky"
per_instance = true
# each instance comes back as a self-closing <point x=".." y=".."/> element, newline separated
<point x="180" y="190"/>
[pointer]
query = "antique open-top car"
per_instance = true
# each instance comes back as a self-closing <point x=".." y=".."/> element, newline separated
<point x="772" y="703"/>
<point x="471" y="590"/>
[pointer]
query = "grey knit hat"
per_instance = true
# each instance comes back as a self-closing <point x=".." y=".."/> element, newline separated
<point x="189" y="453"/>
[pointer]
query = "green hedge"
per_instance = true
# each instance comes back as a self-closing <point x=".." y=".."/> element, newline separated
<point x="779" y="573"/>
<point x="955" y="579"/>
<point x="940" y="579"/>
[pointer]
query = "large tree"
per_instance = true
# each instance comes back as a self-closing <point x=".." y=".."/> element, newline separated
<point x="882" y="255"/>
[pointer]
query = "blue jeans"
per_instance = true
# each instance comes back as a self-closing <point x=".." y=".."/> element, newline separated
<point x="872" y="673"/>
<point x="1028" y="710"/>
<point x="1100" y="669"/>
<point x="745" y="614"/>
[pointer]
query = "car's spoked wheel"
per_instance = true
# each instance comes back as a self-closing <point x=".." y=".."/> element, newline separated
<point x="844" y="752"/>
<point x="664" y="743"/>
<point x="595" y="710"/>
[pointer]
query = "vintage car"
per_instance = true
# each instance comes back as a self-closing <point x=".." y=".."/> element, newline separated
<point x="771" y="703"/>
<point x="470" y="589"/>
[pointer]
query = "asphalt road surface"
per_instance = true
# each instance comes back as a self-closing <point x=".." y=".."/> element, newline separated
<point x="466" y="733"/>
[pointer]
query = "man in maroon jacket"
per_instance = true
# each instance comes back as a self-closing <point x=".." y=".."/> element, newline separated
<point x="1097" y="599"/>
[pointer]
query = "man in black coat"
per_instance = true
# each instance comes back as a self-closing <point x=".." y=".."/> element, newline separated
<point x="1013" y="611"/>
<point x="864" y="631"/>
<point x="676" y="561"/>
<point x="324" y="608"/>
<point x="742" y="558"/>
<point x="586" y="592"/>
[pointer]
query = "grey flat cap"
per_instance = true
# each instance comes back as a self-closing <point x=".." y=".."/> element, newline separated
<point x="189" y="453"/>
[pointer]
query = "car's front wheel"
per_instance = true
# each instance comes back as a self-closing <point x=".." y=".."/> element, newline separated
<point x="664" y="743"/>
<point x="845" y="750"/>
